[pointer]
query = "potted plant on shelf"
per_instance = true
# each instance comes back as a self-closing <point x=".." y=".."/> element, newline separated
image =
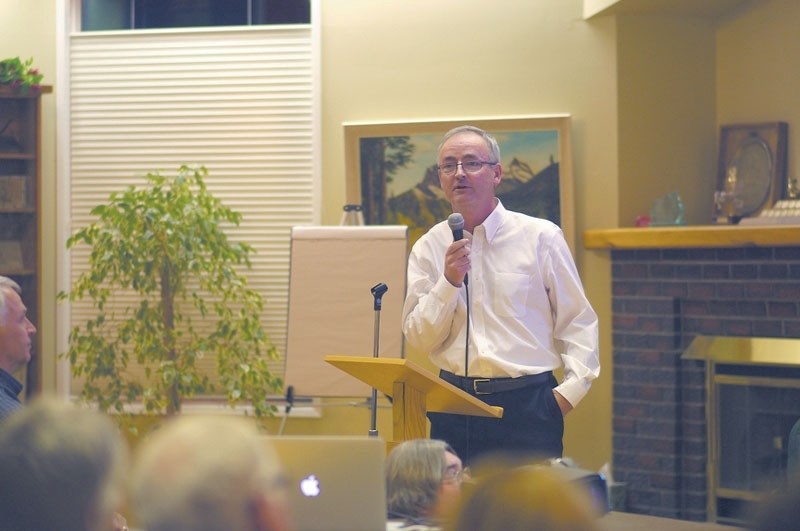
<point x="20" y="75"/>
<point x="164" y="247"/>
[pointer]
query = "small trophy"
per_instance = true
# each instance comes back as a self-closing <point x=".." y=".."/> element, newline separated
<point x="727" y="204"/>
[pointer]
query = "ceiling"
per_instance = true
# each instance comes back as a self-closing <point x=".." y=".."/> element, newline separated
<point x="689" y="8"/>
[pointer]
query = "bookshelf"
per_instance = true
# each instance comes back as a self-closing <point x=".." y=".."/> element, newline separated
<point x="20" y="225"/>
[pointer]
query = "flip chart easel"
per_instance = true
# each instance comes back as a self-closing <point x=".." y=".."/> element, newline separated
<point x="332" y="269"/>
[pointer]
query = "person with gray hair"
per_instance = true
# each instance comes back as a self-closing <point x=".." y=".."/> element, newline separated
<point x="16" y="333"/>
<point x="423" y="483"/>
<point x="201" y="473"/>
<point x="495" y="299"/>
<point x="62" y="468"/>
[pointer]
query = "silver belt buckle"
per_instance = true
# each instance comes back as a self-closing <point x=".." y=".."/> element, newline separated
<point x="475" y="386"/>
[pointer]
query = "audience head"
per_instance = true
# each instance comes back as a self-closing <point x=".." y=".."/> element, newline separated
<point x="423" y="480"/>
<point x="6" y="285"/>
<point x="60" y="468"/>
<point x="527" y="498"/>
<point x="208" y="473"/>
<point x="16" y="330"/>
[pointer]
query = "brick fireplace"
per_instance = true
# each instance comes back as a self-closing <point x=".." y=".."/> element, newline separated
<point x="663" y="296"/>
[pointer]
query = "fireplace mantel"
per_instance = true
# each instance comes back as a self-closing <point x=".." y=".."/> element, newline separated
<point x="692" y="236"/>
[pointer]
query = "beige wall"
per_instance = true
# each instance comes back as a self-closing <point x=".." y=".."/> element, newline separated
<point x="757" y="74"/>
<point x="415" y="59"/>
<point x="640" y="91"/>
<point x="421" y="60"/>
<point x="666" y="114"/>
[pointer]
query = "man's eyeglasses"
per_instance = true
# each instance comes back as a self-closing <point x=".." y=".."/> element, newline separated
<point x="454" y="475"/>
<point x="470" y="166"/>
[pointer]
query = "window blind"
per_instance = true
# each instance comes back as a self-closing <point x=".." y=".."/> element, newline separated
<point x="239" y="101"/>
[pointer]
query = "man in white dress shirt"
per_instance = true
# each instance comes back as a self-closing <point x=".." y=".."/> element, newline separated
<point x="528" y="314"/>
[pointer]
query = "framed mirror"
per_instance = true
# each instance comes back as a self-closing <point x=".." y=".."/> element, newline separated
<point x="756" y="155"/>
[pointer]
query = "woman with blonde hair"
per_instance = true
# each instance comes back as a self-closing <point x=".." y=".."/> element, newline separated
<point x="527" y="498"/>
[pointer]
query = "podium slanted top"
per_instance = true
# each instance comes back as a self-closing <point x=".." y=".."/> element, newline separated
<point x="440" y="396"/>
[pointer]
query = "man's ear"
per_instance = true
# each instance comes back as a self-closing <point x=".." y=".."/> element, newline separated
<point x="498" y="174"/>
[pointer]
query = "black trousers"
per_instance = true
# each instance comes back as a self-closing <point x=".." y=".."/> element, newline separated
<point x="532" y="425"/>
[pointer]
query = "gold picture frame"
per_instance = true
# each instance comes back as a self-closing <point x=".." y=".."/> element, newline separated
<point x="391" y="169"/>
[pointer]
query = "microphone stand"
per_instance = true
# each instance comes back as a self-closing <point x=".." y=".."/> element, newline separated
<point x="377" y="292"/>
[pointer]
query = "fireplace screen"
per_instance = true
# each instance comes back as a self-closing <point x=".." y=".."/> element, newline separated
<point x="755" y="418"/>
<point x="753" y="401"/>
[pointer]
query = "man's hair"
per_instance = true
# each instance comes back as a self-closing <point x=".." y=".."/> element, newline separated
<point x="489" y="139"/>
<point x="60" y="468"/>
<point x="6" y="286"/>
<point x="414" y="472"/>
<point x="203" y="473"/>
<point x="523" y="498"/>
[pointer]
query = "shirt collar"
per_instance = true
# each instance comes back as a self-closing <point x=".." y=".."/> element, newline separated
<point x="11" y="383"/>
<point x="493" y="222"/>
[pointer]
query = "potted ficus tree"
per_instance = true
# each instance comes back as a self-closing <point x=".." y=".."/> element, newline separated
<point x="164" y="246"/>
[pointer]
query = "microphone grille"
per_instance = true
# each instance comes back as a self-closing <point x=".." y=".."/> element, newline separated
<point x="290" y="394"/>
<point x="455" y="221"/>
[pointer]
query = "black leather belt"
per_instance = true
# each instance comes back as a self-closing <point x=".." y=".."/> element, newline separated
<point x="487" y="386"/>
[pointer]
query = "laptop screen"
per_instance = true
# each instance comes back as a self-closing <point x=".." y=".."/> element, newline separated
<point x="335" y="482"/>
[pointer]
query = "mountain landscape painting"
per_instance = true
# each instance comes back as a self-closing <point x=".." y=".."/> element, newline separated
<point x="399" y="184"/>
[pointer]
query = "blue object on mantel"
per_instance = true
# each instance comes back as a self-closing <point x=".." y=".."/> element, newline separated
<point x="667" y="210"/>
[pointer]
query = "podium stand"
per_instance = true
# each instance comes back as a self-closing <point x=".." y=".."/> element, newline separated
<point x="414" y="392"/>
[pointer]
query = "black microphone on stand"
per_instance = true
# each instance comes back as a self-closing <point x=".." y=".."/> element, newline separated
<point x="456" y="223"/>
<point x="289" y="406"/>
<point x="289" y="399"/>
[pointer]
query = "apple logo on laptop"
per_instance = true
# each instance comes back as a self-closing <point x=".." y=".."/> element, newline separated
<point x="310" y="486"/>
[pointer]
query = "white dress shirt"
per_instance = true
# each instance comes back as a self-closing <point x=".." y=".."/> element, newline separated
<point x="528" y="311"/>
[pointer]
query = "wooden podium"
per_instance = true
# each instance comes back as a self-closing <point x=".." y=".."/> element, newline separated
<point x="414" y="392"/>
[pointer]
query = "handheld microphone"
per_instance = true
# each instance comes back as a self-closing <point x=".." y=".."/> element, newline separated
<point x="456" y="223"/>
